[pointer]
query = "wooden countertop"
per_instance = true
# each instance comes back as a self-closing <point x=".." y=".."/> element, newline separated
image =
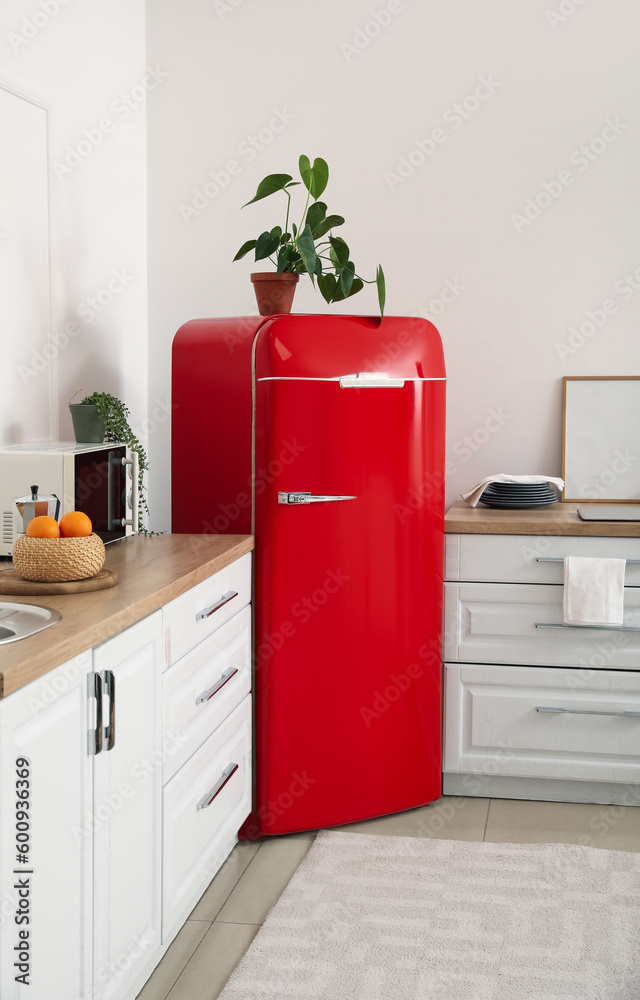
<point x="151" y="571"/>
<point x="558" y="519"/>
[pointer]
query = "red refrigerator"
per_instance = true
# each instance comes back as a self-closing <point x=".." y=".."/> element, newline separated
<point x="324" y="436"/>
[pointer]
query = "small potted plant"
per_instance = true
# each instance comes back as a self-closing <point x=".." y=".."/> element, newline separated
<point x="108" y="419"/>
<point x="308" y="247"/>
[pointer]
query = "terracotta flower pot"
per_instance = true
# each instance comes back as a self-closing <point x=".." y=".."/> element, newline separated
<point x="274" y="292"/>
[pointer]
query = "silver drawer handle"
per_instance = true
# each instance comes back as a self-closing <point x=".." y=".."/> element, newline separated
<point x="585" y="711"/>
<point x="226" y="676"/>
<point x="608" y="628"/>
<point x="292" y="498"/>
<point x="228" y="773"/>
<point x="207" y="612"/>
<point x="561" y="559"/>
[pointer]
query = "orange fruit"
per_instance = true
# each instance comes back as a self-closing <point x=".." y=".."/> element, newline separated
<point x="43" y="527"/>
<point x="75" y="524"/>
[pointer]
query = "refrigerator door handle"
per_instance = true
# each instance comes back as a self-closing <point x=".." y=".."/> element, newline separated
<point x="362" y="380"/>
<point x="293" y="498"/>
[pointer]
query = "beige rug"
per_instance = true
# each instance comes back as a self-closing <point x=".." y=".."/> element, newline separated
<point x="400" y="918"/>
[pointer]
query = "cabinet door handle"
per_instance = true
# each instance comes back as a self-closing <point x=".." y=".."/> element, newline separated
<point x="608" y="628"/>
<point x="207" y="612"/>
<point x="94" y="690"/>
<point x="561" y="559"/>
<point x="228" y="773"/>
<point x="226" y="676"/>
<point x="587" y="711"/>
<point x="110" y="728"/>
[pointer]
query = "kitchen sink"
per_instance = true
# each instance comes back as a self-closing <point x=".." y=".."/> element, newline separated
<point x="17" y="621"/>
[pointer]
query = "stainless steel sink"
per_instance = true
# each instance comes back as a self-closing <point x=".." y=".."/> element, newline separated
<point x="17" y="621"/>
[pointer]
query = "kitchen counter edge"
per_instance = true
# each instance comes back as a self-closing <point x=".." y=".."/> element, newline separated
<point x="557" y="519"/>
<point x="152" y="570"/>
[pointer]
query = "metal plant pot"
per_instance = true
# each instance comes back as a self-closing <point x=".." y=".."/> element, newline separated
<point x="88" y="425"/>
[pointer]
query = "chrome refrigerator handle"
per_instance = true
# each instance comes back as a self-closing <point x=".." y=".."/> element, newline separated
<point x="291" y="498"/>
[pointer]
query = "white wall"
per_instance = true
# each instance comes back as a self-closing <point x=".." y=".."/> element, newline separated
<point x="81" y="57"/>
<point x="519" y="286"/>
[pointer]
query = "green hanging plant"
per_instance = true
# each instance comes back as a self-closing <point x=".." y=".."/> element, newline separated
<point x="116" y="421"/>
<point x="310" y="246"/>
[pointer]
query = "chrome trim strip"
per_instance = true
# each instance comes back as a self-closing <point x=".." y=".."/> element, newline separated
<point x="335" y="378"/>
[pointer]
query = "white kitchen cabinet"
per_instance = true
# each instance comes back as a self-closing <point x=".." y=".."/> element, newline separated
<point x="533" y="711"/>
<point x="127" y="810"/>
<point x="201" y="610"/>
<point x="205" y="803"/>
<point x="46" y="724"/>
<point x="101" y="870"/>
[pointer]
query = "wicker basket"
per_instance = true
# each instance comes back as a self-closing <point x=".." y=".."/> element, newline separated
<point x="56" y="560"/>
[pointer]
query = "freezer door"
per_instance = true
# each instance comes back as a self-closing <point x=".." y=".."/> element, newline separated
<point x="349" y="545"/>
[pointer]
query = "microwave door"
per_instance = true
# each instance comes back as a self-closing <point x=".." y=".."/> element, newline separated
<point x="99" y="490"/>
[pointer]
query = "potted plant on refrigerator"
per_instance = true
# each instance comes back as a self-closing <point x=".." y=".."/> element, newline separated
<point x="308" y="247"/>
<point x="101" y="417"/>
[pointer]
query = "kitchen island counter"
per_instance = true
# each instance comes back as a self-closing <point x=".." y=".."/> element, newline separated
<point x="152" y="570"/>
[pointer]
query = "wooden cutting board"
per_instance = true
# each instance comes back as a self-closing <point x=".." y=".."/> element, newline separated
<point x="11" y="583"/>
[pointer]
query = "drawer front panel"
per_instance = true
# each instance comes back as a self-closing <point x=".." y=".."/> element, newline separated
<point x="493" y="725"/>
<point x="193" y="837"/>
<point x="194" y="615"/>
<point x="203" y="688"/>
<point x="513" y="558"/>
<point x="496" y="623"/>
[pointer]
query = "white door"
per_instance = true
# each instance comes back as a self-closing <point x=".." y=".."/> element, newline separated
<point x="45" y="806"/>
<point x="128" y="811"/>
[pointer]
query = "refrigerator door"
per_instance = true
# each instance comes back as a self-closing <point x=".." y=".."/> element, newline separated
<point x="349" y="528"/>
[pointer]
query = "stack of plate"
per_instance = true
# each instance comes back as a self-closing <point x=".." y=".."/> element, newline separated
<point x="518" y="496"/>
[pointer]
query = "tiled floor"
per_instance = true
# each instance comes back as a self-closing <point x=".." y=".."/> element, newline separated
<point x="230" y="913"/>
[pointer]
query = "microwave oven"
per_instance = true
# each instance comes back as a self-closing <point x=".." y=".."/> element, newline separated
<point x="99" y="479"/>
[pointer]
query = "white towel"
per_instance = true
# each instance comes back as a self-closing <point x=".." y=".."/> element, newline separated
<point x="593" y="591"/>
<point x="472" y="496"/>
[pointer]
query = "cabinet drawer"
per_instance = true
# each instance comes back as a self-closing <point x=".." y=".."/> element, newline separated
<point x="203" y="688"/>
<point x="197" y="840"/>
<point x="193" y="616"/>
<point x="512" y="558"/>
<point x="493" y="725"/>
<point x="496" y="623"/>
